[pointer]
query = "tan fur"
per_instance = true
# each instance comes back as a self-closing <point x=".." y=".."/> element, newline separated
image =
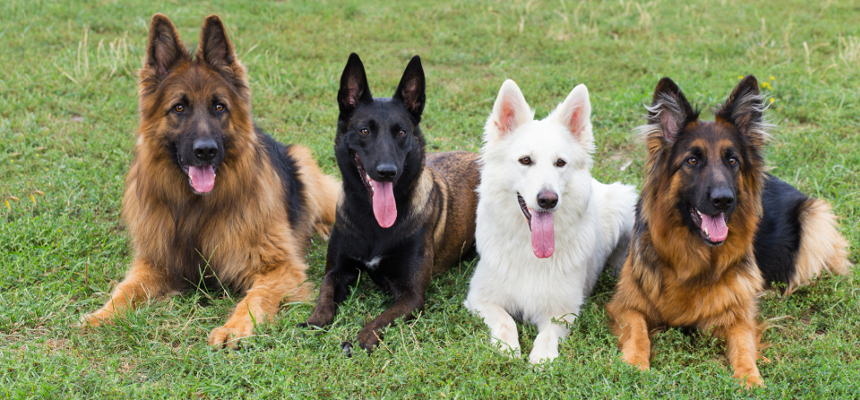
<point x="822" y="248"/>
<point x="241" y="228"/>
<point x="458" y="205"/>
<point x="672" y="278"/>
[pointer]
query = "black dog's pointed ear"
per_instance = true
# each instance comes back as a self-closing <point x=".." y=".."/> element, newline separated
<point x="411" y="89"/>
<point x="745" y="110"/>
<point x="353" y="85"/>
<point x="165" y="49"/>
<point x="216" y="50"/>
<point x="670" y="109"/>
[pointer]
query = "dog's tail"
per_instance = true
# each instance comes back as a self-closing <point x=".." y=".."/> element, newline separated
<point x="822" y="248"/>
<point x="321" y="191"/>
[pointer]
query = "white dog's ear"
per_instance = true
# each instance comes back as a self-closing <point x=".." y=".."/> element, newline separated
<point x="575" y="115"/>
<point x="509" y="112"/>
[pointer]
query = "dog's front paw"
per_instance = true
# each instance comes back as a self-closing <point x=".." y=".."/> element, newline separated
<point x="229" y="335"/>
<point x="512" y="349"/>
<point x="642" y="363"/>
<point x="96" y="319"/>
<point x="540" y="355"/>
<point x="369" y="339"/>
<point x="750" y="381"/>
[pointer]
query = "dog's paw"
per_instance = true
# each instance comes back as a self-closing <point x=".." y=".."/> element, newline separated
<point x="510" y="349"/>
<point x="641" y="363"/>
<point x="368" y="340"/>
<point x="542" y="355"/>
<point x="94" y="320"/>
<point x="229" y="335"/>
<point x="750" y="381"/>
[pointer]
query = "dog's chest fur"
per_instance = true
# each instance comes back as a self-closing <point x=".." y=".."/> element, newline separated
<point x="509" y="273"/>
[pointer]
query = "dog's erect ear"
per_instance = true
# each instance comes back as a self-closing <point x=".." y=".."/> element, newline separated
<point x="411" y="89"/>
<point x="670" y="109"/>
<point x="353" y="85"/>
<point x="215" y="49"/>
<point x="165" y="49"/>
<point x="575" y="115"/>
<point x="509" y="112"/>
<point x="745" y="109"/>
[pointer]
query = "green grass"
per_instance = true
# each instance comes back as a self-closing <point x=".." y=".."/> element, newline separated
<point x="67" y="122"/>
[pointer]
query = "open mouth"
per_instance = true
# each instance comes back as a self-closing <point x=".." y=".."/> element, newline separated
<point x="201" y="178"/>
<point x="541" y="228"/>
<point x="525" y="210"/>
<point x="381" y="195"/>
<point x="714" y="229"/>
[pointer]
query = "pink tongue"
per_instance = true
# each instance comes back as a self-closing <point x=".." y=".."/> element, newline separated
<point x="202" y="178"/>
<point x="543" y="235"/>
<point x="384" y="208"/>
<point x="716" y="226"/>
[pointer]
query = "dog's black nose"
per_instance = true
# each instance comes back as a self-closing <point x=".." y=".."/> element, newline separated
<point x="205" y="149"/>
<point x="386" y="172"/>
<point x="722" y="198"/>
<point x="547" y="199"/>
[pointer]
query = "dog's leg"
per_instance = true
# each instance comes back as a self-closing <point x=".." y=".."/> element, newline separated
<point x="142" y="282"/>
<point x="334" y="290"/>
<point x="503" y="328"/>
<point x="742" y="345"/>
<point x="408" y="302"/>
<point x="549" y="335"/>
<point x="262" y="301"/>
<point x="634" y="340"/>
<point x="341" y="273"/>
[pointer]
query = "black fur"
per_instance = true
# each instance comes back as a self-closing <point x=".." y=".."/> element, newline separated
<point x="777" y="239"/>
<point x="287" y="169"/>
<point x="379" y="131"/>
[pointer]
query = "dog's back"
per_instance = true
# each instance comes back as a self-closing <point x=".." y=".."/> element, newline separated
<point x="457" y="174"/>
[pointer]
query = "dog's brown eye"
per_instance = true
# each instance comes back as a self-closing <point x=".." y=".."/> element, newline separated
<point x="526" y="161"/>
<point x="692" y="161"/>
<point x="733" y="161"/>
<point x="560" y="163"/>
<point x="179" y="108"/>
<point x="364" y="131"/>
<point x="219" y="107"/>
<point x="401" y="133"/>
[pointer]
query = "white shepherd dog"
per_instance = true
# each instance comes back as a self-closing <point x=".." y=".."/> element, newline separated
<point x="545" y="228"/>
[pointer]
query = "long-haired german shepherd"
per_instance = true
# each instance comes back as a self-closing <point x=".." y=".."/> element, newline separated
<point x="246" y="229"/>
<point x="713" y="228"/>
<point x="401" y="219"/>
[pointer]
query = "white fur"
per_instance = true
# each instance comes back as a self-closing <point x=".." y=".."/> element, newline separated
<point x="592" y="221"/>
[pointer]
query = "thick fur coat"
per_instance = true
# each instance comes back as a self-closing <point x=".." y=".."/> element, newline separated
<point x="711" y="226"/>
<point x="542" y="166"/>
<point x="210" y="200"/>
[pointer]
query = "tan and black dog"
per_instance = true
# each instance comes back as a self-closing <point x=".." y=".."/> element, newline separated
<point x="402" y="219"/>
<point x="247" y="229"/>
<point x="713" y="229"/>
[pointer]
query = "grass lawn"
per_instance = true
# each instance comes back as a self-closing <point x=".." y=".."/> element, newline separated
<point x="68" y="113"/>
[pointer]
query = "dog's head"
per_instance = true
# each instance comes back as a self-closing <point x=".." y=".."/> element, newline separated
<point x="193" y="110"/>
<point x="545" y="163"/>
<point x="714" y="166"/>
<point x="379" y="143"/>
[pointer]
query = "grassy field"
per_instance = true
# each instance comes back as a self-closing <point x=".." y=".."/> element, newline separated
<point x="68" y="114"/>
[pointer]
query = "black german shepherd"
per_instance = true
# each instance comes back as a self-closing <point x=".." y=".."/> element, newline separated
<point x="401" y="220"/>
